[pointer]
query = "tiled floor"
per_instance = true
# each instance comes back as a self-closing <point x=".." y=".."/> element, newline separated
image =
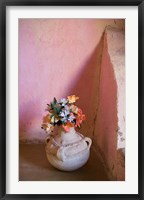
<point x="34" y="166"/>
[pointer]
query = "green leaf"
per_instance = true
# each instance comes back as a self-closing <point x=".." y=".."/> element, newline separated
<point x="52" y="115"/>
<point x="54" y="101"/>
<point x="53" y="104"/>
<point x="58" y="110"/>
<point x="55" y="109"/>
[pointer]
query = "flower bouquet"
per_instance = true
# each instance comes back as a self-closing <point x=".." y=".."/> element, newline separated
<point x="63" y="113"/>
<point x="68" y="150"/>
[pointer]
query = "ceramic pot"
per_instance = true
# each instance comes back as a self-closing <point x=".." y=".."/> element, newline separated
<point x="68" y="151"/>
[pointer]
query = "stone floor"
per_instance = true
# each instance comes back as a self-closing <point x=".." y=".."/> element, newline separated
<point x="34" y="166"/>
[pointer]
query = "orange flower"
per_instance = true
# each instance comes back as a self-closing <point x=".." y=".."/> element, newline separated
<point x="72" y="98"/>
<point x="80" y="118"/>
<point x="46" y="119"/>
<point x="67" y="126"/>
<point x="79" y="111"/>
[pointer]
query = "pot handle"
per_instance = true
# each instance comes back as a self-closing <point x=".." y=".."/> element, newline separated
<point x="47" y="140"/>
<point x="88" y="141"/>
<point x="60" y="154"/>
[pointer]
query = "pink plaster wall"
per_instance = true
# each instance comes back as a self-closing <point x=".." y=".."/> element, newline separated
<point x="106" y="126"/>
<point x="60" y="57"/>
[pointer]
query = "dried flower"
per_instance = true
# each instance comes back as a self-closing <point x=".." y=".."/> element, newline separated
<point x="63" y="113"/>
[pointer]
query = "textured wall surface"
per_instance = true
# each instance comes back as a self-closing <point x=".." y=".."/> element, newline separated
<point x="106" y="123"/>
<point x="58" y="57"/>
<point x="110" y="120"/>
<point x="116" y="50"/>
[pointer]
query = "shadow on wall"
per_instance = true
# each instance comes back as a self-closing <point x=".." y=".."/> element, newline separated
<point x="87" y="88"/>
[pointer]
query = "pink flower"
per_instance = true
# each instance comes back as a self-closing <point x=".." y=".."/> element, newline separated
<point x="79" y="111"/>
<point x="80" y="118"/>
<point x="68" y="126"/>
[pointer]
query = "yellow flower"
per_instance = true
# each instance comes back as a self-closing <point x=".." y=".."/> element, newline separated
<point x="49" y="128"/>
<point x="74" y="109"/>
<point x="53" y="119"/>
<point x="72" y="98"/>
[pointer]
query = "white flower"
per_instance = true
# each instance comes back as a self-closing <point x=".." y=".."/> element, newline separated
<point x="56" y="119"/>
<point x="71" y="118"/>
<point x="67" y="108"/>
<point x="64" y="119"/>
<point x="62" y="101"/>
<point x="64" y="113"/>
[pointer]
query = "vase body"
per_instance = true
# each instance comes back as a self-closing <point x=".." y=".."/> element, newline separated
<point x="68" y="151"/>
